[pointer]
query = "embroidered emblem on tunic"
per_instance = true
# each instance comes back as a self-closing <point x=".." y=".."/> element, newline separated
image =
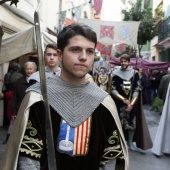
<point x="113" y="150"/>
<point x="126" y="86"/>
<point x="30" y="144"/>
<point x="74" y="141"/>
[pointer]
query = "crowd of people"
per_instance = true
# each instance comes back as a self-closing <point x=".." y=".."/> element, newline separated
<point x="95" y="118"/>
<point x="86" y="126"/>
<point x="149" y="80"/>
<point x="145" y="88"/>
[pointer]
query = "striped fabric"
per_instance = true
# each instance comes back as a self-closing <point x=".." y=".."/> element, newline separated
<point x="74" y="141"/>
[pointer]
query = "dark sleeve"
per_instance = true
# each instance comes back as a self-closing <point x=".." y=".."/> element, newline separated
<point x="31" y="82"/>
<point x="160" y="90"/>
<point x="143" y="81"/>
<point x="115" y="83"/>
<point x="112" y="147"/>
<point x="158" y="77"/>
<point x="115" y="86"/>
<point x="136" y="84"/>
<point x="34" y="140"/>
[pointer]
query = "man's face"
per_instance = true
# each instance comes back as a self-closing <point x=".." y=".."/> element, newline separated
<point x="51" y="58"/>
<point x="30" y="69"/>
<point x="156" y="71"/>
<point x="124" y="64"/>
<point x="140" y="71"/>
<point x="77" y="59"/>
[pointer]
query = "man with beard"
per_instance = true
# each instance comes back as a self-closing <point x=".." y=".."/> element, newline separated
<point x="126" y="91"/>
<point x="86" y="128"/>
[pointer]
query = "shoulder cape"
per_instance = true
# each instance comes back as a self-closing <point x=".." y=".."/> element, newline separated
<point x="10" y="157"/>
<point x="125" y="74"/>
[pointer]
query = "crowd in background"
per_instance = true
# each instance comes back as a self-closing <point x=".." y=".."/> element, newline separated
<point x="149" y="83"/>
<point x="153" y="84"/>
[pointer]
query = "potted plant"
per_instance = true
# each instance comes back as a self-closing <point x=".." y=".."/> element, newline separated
<point x="157" y="103"/>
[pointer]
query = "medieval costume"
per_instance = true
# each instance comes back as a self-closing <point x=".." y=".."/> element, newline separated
<point x="125" y="85"/>
<point x="86" y="129"/>
<point x="161" y="143"/>
<point x="89" y="78"/>
<point x="49" y="73"/>
<point x="103" y="80"/>
<point x="36" y="78"/>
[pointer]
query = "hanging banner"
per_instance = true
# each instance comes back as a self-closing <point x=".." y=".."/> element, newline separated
<point x="78" y="11"/>
<point x="112" y="32"/>
<point x="104" y="49"/>
<point x="98" y="6"/>
<point x="68" y="21"/>
<point x="63" y="16"/>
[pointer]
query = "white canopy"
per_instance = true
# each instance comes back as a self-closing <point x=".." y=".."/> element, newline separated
<point x="22" y="43"/>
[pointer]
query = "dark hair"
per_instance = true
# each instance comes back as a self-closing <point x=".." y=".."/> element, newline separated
<point x="125" y="56"/>
<point x="156" y="68"/>
<point x="16" y="67"/>
<point x="53" y="46"/>
<point x="149" y="70"/>
<point x="73" y="30"/>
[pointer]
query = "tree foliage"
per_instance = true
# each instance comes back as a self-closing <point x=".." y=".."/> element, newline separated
<point x="128" y="50"/>
<point x="144" y="15"/>
<point x="12" y="2"/>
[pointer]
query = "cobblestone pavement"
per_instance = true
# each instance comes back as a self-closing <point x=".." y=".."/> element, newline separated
<point x="139" y="160"/>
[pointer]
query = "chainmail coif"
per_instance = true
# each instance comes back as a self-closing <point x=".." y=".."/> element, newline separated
<point x="126" y="74"/>
<point x="74" y="103"/>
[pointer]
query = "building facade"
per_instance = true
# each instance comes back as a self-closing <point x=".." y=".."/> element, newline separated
<point x="160" y="45"/>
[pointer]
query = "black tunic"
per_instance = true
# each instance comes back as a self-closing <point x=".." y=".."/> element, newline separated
<point x="102" y="141"/>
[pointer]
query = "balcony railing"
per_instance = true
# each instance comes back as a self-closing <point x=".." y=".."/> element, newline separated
<point x="164" y="30"/>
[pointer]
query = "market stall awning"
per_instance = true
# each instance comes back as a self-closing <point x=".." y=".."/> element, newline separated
<point x="22" y="43"/>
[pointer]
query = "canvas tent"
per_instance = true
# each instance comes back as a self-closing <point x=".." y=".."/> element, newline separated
<point x="19" y="45"/>
<point x="22" y="43"/>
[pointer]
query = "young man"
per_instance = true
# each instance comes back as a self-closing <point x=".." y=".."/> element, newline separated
<point x="125" y="91"/>
<point x="86" y="127"/>
<point x="52" y="64"/>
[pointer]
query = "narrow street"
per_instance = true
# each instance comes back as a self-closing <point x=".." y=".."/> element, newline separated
<point x="139" y="160"/>
<point x="145" y="160"/>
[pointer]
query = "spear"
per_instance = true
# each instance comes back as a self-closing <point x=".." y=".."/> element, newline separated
<point x="48" y="126"/>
